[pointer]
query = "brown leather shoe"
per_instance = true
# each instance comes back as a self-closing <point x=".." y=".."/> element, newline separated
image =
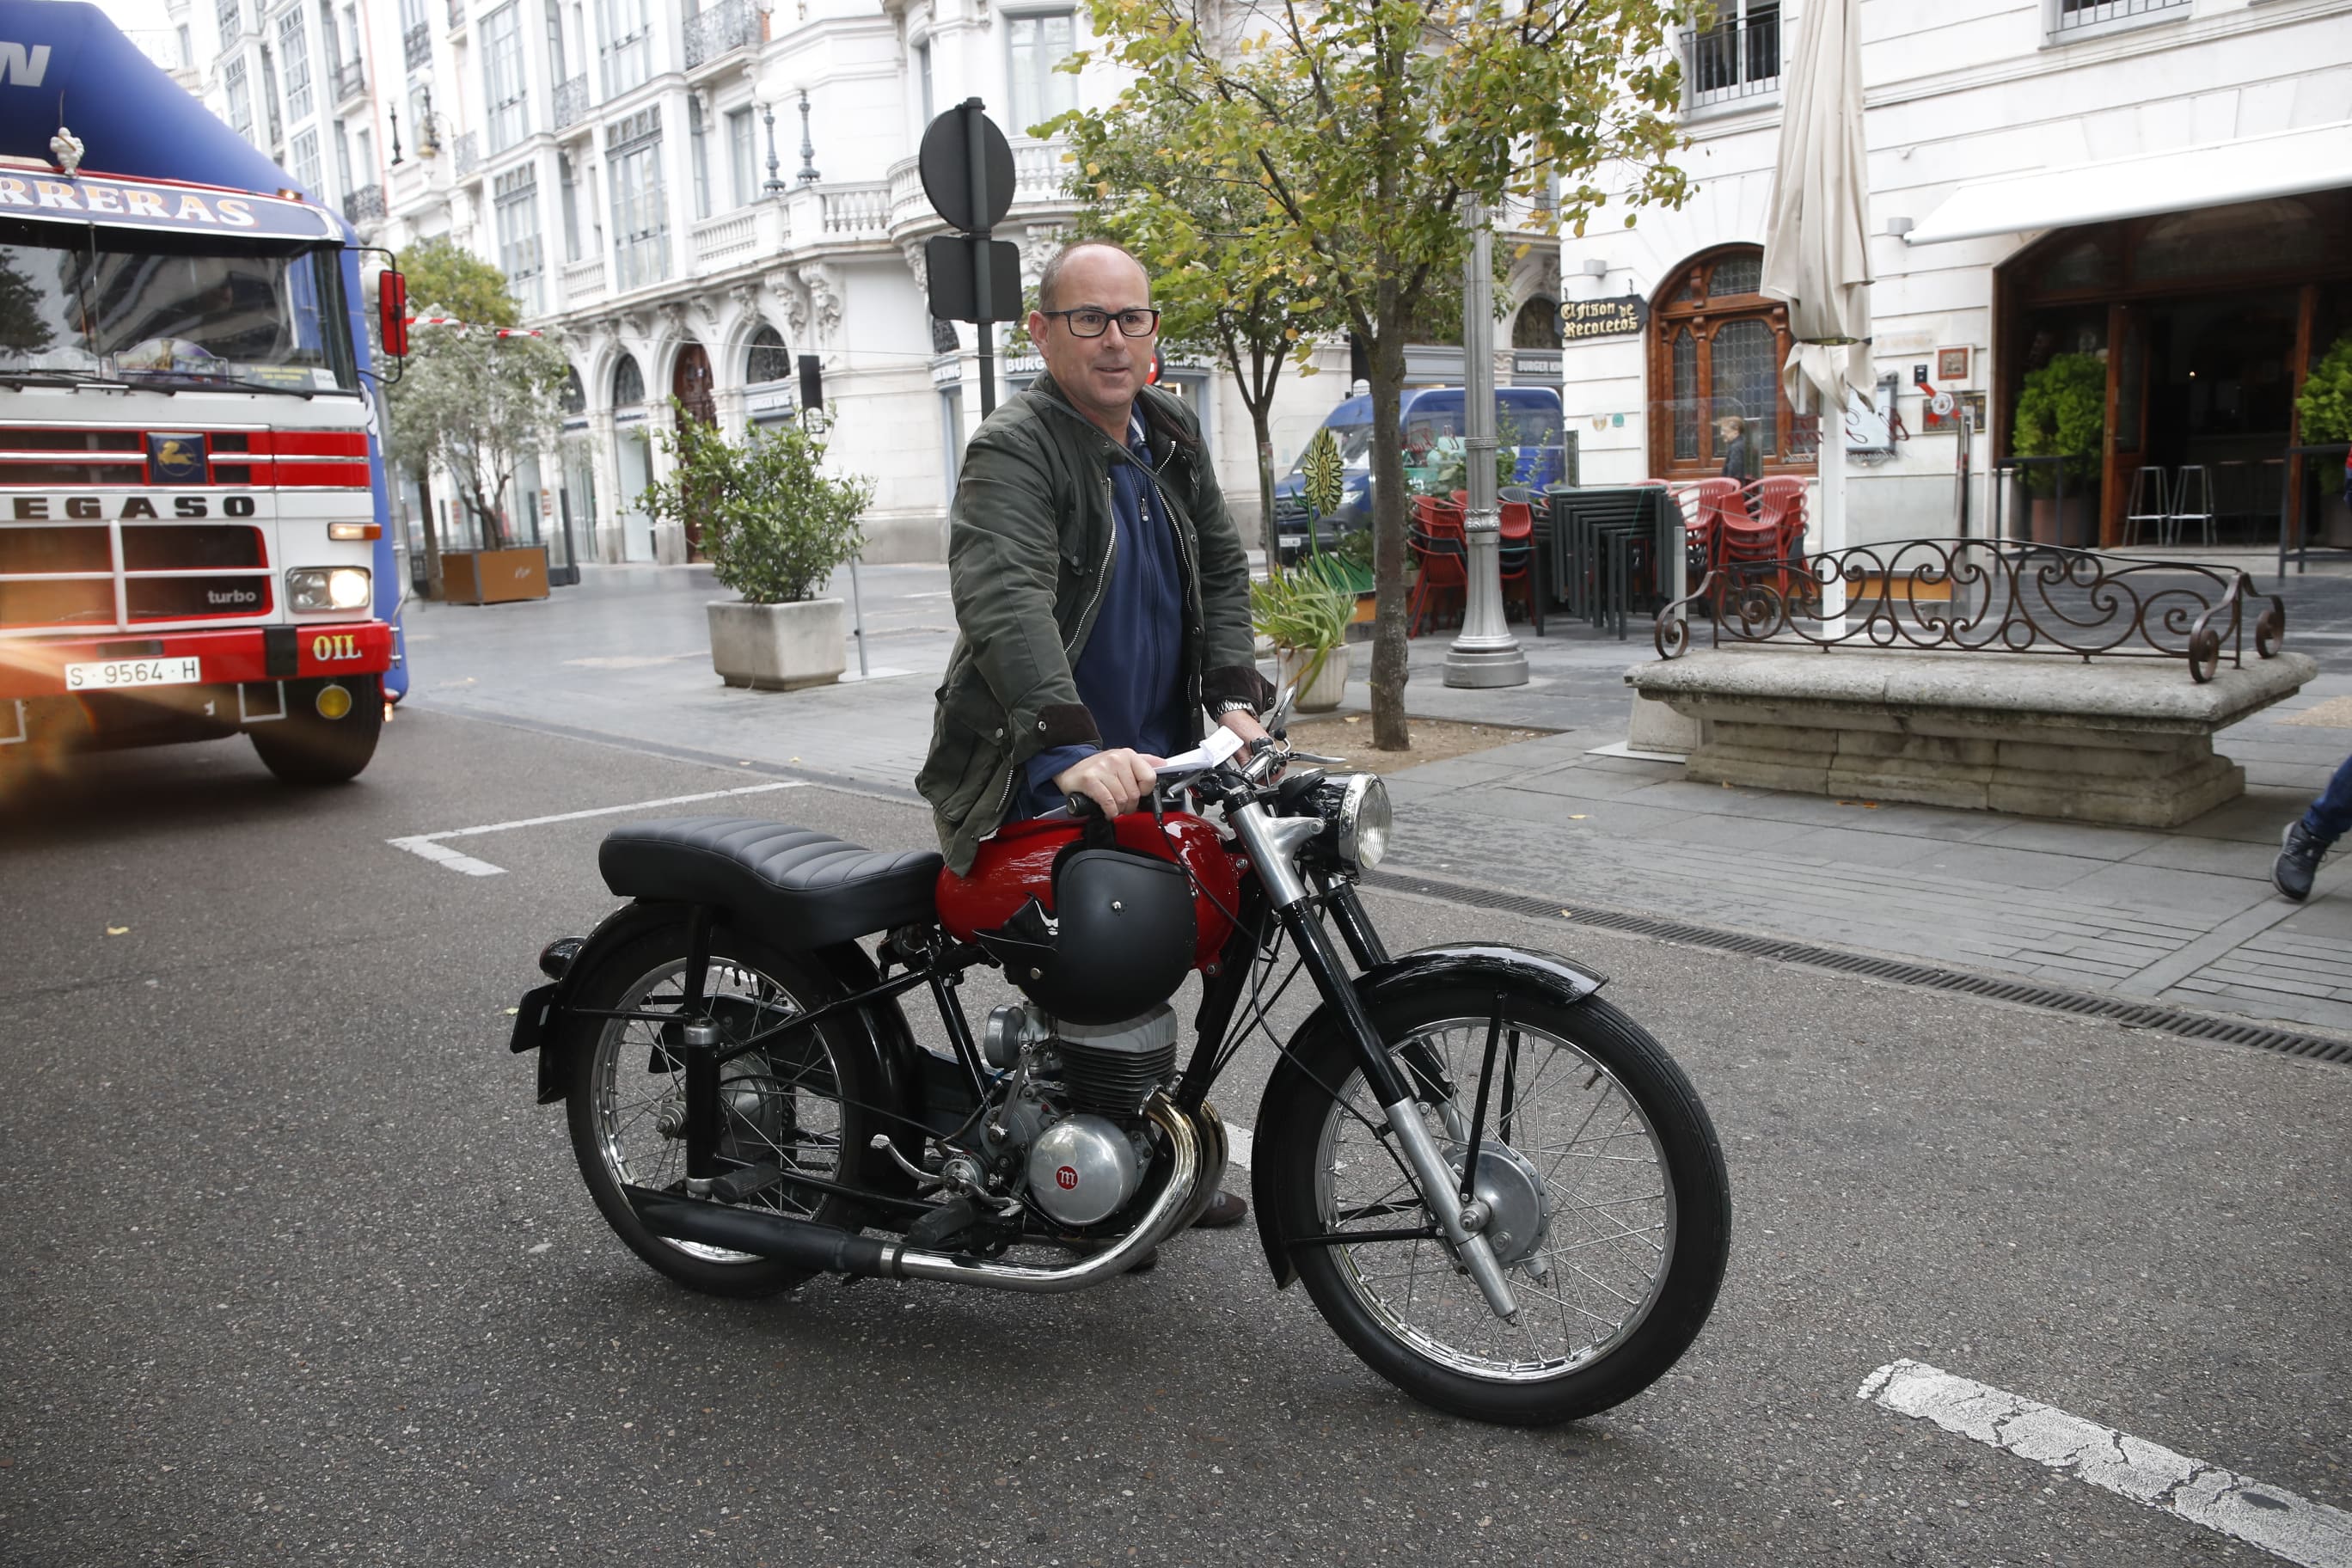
<point x="1224" y="1209"/>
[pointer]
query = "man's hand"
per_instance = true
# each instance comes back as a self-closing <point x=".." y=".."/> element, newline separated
<point x="1113" y="780"/>
<point x="1245" y="725"/>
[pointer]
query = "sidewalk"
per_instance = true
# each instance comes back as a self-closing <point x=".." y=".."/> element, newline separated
<point x="2185" y="916"/>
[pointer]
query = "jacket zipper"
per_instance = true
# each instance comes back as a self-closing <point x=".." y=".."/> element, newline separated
<point x="1110" y="553"/>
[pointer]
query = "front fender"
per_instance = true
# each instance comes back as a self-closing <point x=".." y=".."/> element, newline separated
<point x="1547" y="974"/>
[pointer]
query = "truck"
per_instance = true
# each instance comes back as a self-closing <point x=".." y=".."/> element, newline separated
<point x="1526" y="419"/>
<point x="193" y="538"/>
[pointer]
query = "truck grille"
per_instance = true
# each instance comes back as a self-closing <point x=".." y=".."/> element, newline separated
<point x="54" y="576"/>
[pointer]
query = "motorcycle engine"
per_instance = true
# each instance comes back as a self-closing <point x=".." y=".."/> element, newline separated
<point x="1072" y="1112"/>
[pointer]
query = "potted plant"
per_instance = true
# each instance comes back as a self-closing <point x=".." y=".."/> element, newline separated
<point x="1305" y="613"/>
<point x="775" y="527"/>
<point x="2061" y="411"/>
<point x="2323" y="415"/>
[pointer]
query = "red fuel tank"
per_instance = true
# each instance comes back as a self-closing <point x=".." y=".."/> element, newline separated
<point x="1017" y="864"/>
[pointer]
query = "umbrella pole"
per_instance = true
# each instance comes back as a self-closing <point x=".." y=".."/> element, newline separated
<point x="1833" y="539"/>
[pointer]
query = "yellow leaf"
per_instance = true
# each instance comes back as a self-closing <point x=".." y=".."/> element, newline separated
<point x="118" y="930"/>
<point x="1094" y="168"/>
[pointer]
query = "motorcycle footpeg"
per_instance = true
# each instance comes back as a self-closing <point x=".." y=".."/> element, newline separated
<point x="737" y="1185"/>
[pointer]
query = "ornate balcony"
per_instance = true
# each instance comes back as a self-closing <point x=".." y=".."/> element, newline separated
<point x="364" y="204"/>
<point x="571" y="103"/>
<point x="456" y="14"/>
<point x="727" y="239"/>
<point x="584" y="282"/>
<point x="417" y="47"/>
<point x="854" y="212"/>
<point x="350" y="80"/>
<point x="466" y="153"/>
<point x="729" y="24"/>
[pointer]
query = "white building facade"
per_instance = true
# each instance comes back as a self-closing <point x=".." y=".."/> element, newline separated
<point x="2164" y="183"/>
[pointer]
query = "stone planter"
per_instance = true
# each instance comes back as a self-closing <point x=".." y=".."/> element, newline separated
<point x="777" y="647"/>
<point x="1330" y="683"/>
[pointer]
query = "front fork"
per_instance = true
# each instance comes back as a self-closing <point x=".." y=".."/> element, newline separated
<point x="1273" y="844"/>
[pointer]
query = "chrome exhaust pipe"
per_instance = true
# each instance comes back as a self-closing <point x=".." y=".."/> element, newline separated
<point x="1215" y="1151"/>
<point x="830" y="1249"/>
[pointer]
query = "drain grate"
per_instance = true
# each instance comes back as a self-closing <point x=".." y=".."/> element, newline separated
<point x="1895" y="971"/>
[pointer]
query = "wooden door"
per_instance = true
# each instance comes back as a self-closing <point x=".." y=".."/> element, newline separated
<point x="2127" y="444"/>
<point x="697" y="400"/>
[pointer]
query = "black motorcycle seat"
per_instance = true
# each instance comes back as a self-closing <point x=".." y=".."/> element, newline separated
<point x="795" y="886"/>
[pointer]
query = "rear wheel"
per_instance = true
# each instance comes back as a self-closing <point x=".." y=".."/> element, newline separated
<point x="308" y="747"/>
<point x="1612" y="1208"/>
<point x="789" y="1107"/>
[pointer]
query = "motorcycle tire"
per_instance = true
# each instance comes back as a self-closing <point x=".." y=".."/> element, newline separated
<point x="1408" y="1311"/>
<point x="769" y="1099"/>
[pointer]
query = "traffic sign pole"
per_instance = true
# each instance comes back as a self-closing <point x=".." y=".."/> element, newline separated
<point x="977" y="148"/>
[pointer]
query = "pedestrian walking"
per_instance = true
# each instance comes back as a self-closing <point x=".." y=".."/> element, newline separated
<point x="2310" y="837"/>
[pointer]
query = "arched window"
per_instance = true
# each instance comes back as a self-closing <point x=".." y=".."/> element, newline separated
<point x="629" y="383"/>
<point x="1538" y="326"/>
<point x="1716" y="349"/>
<point x="766" y="360"/>
<point x="574" y="397"/>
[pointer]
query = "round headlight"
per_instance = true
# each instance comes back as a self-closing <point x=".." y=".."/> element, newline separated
<point x="1363" y="823"/>
<point x="347" y="588"/>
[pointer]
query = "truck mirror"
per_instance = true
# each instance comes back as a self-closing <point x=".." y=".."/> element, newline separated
<point x="392" y="313"/>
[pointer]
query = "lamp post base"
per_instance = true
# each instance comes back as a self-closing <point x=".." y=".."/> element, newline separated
<point x="1486" y="666"/>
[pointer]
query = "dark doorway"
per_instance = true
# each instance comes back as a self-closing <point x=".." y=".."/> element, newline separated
<point x="2220" y="399"/>
<point x="697" y="400"/>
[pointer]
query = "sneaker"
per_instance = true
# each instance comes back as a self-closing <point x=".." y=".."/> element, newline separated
<point x="2298" y="861"/>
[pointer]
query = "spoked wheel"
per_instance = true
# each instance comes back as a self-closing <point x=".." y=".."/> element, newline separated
<point x="1611" y="1211"/>
<point x="791" y="1106"/>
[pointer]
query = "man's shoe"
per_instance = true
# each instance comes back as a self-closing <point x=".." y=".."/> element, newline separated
<point x="1224" y="1209"/>
<point x="2298" y="861"/>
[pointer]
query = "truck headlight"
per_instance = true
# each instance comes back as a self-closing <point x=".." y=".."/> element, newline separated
<point x="328" y="588"/>
<point x="1363" y="823"/>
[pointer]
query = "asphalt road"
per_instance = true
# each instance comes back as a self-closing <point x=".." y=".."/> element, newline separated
<point x="298" y="1273"/>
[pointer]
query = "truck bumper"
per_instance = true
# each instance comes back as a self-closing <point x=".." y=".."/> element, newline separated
<point x="31" y="668"/>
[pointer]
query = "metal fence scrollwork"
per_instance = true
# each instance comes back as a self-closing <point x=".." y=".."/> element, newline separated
<point x="1973" y="596"/>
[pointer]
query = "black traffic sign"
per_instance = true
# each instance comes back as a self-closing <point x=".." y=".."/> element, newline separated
<point x="946" y="161"/>
<point x="955" y="295"/>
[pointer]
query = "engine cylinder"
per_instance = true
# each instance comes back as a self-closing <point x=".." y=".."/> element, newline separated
<point x="1112" y="1068"/>
<point x="1082" y="1169"/>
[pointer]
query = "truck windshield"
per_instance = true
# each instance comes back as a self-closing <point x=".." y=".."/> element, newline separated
<point x="145" y="309"/>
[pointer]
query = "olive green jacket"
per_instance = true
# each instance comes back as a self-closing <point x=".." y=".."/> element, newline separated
<point x="1031" y="546"/>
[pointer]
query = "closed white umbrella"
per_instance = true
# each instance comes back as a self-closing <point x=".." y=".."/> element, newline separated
<point x="1816" y="243"/>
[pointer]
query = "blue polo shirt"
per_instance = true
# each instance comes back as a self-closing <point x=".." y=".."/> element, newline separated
<point x="1129" y="674"/>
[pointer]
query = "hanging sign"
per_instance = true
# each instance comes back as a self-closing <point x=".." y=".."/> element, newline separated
<point x="1581" y="320"/>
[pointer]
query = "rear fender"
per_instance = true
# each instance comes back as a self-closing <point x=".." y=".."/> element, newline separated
<point x="1547" y="975"/>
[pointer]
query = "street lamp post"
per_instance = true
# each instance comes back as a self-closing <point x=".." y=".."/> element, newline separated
<point x="1486" y="654"/>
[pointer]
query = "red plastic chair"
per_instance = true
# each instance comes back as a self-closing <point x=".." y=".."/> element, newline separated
<point x="1519" y="548"/>
<point x="1440" y="550"/>
<point x="1780" y="502"/>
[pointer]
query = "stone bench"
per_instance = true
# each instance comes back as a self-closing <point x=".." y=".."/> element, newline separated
<point x="2128" y="741"/>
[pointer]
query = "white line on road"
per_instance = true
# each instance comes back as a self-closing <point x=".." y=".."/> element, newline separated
<point x="428" y="845"/>
<point x="2270" y="1518"/>
<point x="1237" y="1145"/>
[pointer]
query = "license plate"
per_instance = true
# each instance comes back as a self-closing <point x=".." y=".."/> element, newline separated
<point x="134" y="672"/>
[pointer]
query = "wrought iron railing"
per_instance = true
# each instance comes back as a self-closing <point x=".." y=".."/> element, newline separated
<point x="417" y="47"/>
<point x="466" y="153"/>
<point x="456" y="14"/>
<point x="350" y="80"/>
<point x="2075" y="15"/>
<point x="1737" y="57"/>
<point x="571" y="103"/>
<point x="1971" y="596"/>
<point x="729" y="24"/>
<point x="364" y="204"/>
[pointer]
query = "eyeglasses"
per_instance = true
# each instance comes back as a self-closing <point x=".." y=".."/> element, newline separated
<point x="1089" y="323"/>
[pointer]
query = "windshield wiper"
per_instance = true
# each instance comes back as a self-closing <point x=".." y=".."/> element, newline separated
<point x="178" y="378"/>
<point x="57" y="376"/>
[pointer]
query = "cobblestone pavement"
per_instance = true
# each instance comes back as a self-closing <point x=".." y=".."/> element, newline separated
<point x="2185" y="916"/>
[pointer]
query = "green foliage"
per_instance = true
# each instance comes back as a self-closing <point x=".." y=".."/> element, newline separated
<point x="773" y="523"/>
<point x="447" y="280"/>
<point x="1324" y="473"/>
<point x="1344" y="140"/>
<point x="2061" y="411"/>
<point x="2323" y="410"/>
<point x="1304" y="611"/>
<point x="1448" y="469"/>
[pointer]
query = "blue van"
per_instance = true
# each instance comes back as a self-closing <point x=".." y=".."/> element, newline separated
<point x="1526" y="417"/>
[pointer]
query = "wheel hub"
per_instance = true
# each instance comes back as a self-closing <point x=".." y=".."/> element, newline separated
<point x="1513" y="1193"/>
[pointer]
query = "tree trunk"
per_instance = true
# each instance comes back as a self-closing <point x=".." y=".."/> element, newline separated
<point x="432" y="537"/>
<point x="1390" y="731"/>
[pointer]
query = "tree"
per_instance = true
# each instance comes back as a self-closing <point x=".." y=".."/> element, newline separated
<point x="1224" y="292"/>
<point x="1352" y="133"/>
<point x="469" y="402"/>
<point x="774" y="524"/>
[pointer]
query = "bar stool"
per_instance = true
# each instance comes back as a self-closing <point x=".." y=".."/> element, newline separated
<point x="2192" y="501"/>
<point x="2146" y="491"/>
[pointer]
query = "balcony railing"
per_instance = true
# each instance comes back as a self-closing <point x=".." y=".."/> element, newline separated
<point x="584" y="282"/>
<point x="1738" y="57"/>
<point x="456" y="14"/>
<point x="2076" y="15"/>
<point x="724" y="240"/>
<point x="417" y="47"/>
<point x="364" y="204"/>
<point x="571" y="103"/>
<point x="466" y="153"/>
<point x="350" y="80"/>
<point x="1039" y="171"/>
<point x="729" y="24"/>
<point x="855" y="211"/>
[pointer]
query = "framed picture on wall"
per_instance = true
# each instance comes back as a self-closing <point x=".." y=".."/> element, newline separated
<point x="1951" y="367"/>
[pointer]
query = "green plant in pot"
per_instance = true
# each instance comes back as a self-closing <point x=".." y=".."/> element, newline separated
<point x="775" y="527"/>
<point x="2062" y="412"/>
<point x="2324" y="415"/>
<point x="1306" y="613"/>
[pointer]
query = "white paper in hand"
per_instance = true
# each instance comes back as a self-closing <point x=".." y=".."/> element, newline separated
<point x="1222" y="743"/>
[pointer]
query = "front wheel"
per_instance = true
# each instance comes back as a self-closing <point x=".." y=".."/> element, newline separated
<point x="1611" y="1209"/>
<point x="329" y="732"/>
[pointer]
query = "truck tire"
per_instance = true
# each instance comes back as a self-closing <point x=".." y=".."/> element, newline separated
<point x="307" y="748"/>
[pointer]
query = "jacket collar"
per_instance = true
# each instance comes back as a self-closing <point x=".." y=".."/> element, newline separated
<point x="1163" y="429"/>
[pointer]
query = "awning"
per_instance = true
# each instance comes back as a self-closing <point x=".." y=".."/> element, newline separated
<point x="2287" y="163"/>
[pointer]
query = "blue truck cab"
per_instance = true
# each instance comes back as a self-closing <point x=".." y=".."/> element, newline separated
<point x="1527" y="418"/>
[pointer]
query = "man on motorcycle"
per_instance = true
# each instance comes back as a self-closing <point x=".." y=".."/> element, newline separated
<point x="1088" y="506"/>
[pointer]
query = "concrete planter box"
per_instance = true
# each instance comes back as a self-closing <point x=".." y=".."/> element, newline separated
<point x="2128" y="741"/>
<point x="778" y="648"/>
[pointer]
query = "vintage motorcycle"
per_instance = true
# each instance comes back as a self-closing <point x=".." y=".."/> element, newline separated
<point x="1497" y="1189"/>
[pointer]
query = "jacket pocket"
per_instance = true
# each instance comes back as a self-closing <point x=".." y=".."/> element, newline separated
<point x="963" y="764"/>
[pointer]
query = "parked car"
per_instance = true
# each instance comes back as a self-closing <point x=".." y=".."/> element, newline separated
<point x="1527" y="418"/>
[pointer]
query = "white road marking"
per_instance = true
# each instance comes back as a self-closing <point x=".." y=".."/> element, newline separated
<point x="1237" y="1145"/>
<point x="2270" y="1518"/>
<point x="430" y="847"/>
